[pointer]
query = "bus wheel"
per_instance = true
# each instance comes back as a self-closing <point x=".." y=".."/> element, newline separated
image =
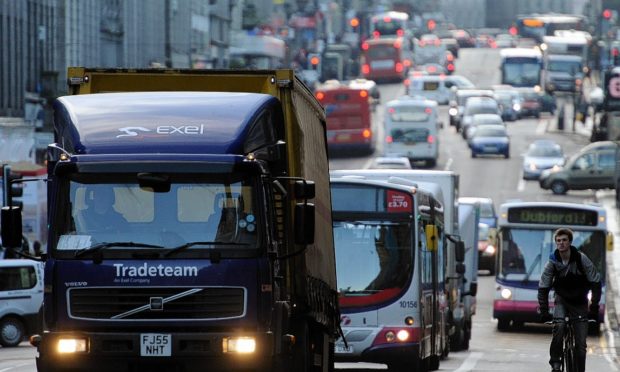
<point x="503" y="324"/>
<point x="433" y="363"/>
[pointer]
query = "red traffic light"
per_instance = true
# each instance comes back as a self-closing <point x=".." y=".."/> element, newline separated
<point x="431" y="24"/>
<point x="314" y="60"/>
<point x="615" y="52"/>
<point x="607" y="14"/>
<point x="512" y="31"/>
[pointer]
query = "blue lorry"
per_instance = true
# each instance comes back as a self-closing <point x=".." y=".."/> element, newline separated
<point x="189" y="224"/>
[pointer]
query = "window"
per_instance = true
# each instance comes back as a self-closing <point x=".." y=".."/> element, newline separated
<point x="16" y="278"/>
<point x="607" y="160"/>
<point x="584" y="162"/>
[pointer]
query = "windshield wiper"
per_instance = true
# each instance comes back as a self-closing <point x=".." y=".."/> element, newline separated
<point x="105" y="245"/>
<point x="531" y="268"/>
<point x="183" y="247"/>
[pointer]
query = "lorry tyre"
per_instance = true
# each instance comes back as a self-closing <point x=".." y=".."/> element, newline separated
<point x="458" y="338"/>
<point x="503" y="325"/>
<point x="559" y="187"/>
<point x="433" y="363"/>
<point x="11" y="332"/>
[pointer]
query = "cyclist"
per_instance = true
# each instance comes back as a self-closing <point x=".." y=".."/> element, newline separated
<point x="572" y="275"/>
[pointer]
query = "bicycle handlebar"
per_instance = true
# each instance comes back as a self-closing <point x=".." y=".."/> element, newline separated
<point x="571" y="319"/>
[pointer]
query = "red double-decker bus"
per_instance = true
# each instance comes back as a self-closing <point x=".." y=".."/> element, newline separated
<point x="350" y="123"/>
<point x="386" y="59"/>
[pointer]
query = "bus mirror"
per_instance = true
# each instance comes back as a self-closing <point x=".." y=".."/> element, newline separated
<point x="473" y="289"/>
<point x="610" y="241"/>
<point x="304" y="223"/>
<point x="460" y="268"/>
<point x="431" y="237"/>
<point x="11" y="227"/>
<point x="459" y="251"/>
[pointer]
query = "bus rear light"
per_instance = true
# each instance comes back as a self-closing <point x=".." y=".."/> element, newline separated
<point x="366" y="69"/>
<point x="398" y="67"/>
<point x="366" y="133"/>
<point x="402" y="335"/>
<point x="430" y="139"/>
<point x="365" y="46"/>
<point x="363" y="93"/>
<point x="397" y="335"/>
<point x="320" y="95"/>
<point x="376" y="34"/>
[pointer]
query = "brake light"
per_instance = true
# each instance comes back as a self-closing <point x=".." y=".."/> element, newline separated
<point x="450" y="67"/>
<point x="320" y="95"/>
<point x="431" y="69"/>
<point x="366" y="133"/>
<point x="389" y="139"/>
<point x="428" y="110"/>
<point x="407" y="82"/>
<point x="376" y="34"/>
<point x="366" y="69"/>
<point x="387" y="19"/>
<point x="398" y="67"/>
<point x="407" y="63"/>
<point x="363" y="93"/>
<point x="365" y="46"/>
<point x="430" y="139"/>
<point x="400" y="32"/>
<point x="391" y="110"/>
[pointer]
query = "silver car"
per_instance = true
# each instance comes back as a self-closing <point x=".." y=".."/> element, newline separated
<point x="541" y="155"/>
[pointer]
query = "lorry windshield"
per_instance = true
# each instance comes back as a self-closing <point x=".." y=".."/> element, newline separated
<point x="569" y="67"/>
<point x="221" y="212"/>
<point x="525" y="252"/>
<point x="374" y="261"/>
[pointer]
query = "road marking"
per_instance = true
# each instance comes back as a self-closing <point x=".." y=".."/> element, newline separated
<point x="470" y="363"/>
<point x="448" y="164"/>
<point x="541" y="128"/>
<point x="366" y="166"/>
<point x="521" y="183"/>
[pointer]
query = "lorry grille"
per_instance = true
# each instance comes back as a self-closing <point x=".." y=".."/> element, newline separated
<point x="157" y="303"/>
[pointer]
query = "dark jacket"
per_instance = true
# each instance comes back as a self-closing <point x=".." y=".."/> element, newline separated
<point x="571" y="282"/>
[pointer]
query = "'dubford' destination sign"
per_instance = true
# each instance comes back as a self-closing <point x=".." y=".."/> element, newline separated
<point x="552" y="216"/>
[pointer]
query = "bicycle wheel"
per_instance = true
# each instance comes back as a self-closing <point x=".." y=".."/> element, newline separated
<point x="570" y="357"/>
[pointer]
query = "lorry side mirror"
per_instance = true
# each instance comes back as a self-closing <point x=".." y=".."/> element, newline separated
<point x="431" y="237"/>
<point x="11" y="227"/>
<point x="473" y="289"/>
<point x="460" y="268"/>
<point x="609" y="242"/>
<point x="305" y="190"/>
<point x="459" y="251"/>
<point x="304" y="223"/>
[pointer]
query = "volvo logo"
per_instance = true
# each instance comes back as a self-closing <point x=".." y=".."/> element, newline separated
<point x="156" y="303"/>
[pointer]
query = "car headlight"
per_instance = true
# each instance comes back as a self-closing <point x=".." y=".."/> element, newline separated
<point x="532" y="167"/>
<point x="452" y="111"/>
<point x="490" y="250"/>
<point x="516" y="107"/>
<point x="556" y="168"/>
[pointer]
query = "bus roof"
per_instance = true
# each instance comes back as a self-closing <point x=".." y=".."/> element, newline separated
<point x="520" y="52"/>
<point x="553" y="18"/>
<point x="572" y="40"/>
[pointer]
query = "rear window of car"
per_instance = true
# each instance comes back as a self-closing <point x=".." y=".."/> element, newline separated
<point x="481" y="109"/>
<point x="489" y="132"/>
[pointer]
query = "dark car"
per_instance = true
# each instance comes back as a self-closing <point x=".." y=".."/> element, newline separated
<point x="457" y="106"/>
<point x="474" y="106"/>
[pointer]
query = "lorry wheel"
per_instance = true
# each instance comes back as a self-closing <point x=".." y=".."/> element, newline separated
<point x="559" y="187"/>
<point x="433" y="363"/>
<point x="11" y="332"/>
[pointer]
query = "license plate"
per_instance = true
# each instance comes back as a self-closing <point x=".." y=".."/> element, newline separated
<point x="341" y="349"/>
<point x="385" y="64"/>
<point x="343" y="137"/>
<point x="490" y="149"/>
<point x="155" y="344"/>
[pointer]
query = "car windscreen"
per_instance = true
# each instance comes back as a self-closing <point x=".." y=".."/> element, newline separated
<point x="546" y="152"/>
<point x="485" y="131"/>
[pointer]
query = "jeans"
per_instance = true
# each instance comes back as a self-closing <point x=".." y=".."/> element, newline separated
<point x="562" y="310"/>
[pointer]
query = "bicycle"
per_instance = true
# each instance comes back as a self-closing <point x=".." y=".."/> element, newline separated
<point x="569" y="355"/>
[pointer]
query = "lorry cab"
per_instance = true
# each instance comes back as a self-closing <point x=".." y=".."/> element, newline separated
<point x="563" y="73"/>
<point x="412" y="129"/>
<point x="21" y="294"/>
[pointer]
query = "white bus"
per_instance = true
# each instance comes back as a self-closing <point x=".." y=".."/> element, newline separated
<point x="390" y="255"/>
<point x="521" y="67"/>
<point x="525" y="244"/>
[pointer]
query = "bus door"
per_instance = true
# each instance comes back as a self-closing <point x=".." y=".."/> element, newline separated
<point x="349" y="120"/>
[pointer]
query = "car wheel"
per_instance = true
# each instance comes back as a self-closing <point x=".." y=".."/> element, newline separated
<point x="473" y="154"/>
<point x="537" y="115"/>
<point x="11" y="332"/>
<point x="503" y="325"/>
<point x="507" y="154"/>
<point x="559" y="187"/>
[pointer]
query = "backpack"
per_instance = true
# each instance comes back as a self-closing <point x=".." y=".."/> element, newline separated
<point x="571" y="291"/>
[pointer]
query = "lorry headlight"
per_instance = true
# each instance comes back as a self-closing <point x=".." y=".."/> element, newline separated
<point x="402" y="335"/>
<point x="390" y="336"/>
<point x="71" y="345"/>
<point x="489" y="250"/>
<point x="516" y="107"/>
<point x="240" y="345"/>
<point x="506" y="294"/>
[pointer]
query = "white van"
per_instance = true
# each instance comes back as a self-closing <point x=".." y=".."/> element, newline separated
<point x="440" y="88"/>
<point x="21" y="298"/>
<point x="412" y="129"/>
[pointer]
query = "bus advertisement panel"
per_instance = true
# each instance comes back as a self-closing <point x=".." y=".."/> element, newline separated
<point x="389" y="251"/>
<point x="386" y="59"/>
<point x="525" y="244"/>
<point x="521" y="67"/>
<point x="349" y="116"/>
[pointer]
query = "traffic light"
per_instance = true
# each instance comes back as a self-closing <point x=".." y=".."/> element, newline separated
<point x="431" y="24"/>
<point x="12" y="188"/>
<point x="607" y="14"/>
<point x="315" y="61"/>
<point x="615" y="53"/>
